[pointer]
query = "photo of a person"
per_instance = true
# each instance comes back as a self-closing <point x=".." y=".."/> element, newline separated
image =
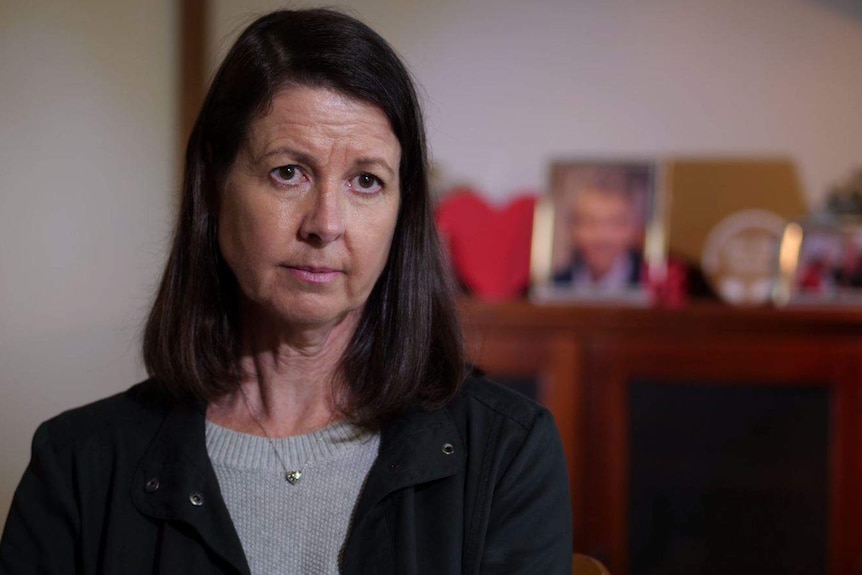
<point x="601" y="213"/>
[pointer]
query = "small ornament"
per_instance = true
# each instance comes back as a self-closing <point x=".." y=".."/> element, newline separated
<point x="845" y="198"/>
<point x="739" y="256"/>
<point x="293" y="477"/>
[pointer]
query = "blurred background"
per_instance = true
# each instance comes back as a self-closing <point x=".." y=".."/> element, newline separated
<point x="91" y="119"/>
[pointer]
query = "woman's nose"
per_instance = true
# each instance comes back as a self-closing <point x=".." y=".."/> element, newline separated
<point x="323" y="220"/>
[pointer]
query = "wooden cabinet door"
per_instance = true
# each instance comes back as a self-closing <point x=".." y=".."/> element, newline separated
<point x="699" y="413"/>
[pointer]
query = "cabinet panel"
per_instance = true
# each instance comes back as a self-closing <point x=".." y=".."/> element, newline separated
<point x="751" y="391"/>
<point x="728" y="478"/>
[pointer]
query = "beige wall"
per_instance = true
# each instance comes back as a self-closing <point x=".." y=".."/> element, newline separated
<point x="510" y="84"/>
<point x="87" y="179"/>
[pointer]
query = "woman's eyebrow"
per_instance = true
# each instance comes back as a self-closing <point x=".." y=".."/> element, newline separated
<point x="366" y="162"/>
<point x="300" y="157"/>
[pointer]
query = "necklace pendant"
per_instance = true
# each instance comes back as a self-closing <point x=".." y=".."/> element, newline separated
<point x="293" y="477"/>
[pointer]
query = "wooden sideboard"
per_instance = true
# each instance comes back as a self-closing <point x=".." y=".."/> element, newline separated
<point x="706" y="439"/>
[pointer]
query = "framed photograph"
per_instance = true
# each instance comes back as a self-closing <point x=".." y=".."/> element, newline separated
<point x="820" y="263"/>
<point x="597" y="232"/>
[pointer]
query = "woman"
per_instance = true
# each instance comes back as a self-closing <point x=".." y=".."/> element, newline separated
<point x="308" y="410"/>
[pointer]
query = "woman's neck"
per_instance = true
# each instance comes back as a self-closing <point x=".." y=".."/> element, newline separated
<point x="291" y="383"/>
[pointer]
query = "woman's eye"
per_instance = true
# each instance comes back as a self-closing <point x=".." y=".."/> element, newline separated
<point x="287" y="175"/>
<point x="366" y="183"/>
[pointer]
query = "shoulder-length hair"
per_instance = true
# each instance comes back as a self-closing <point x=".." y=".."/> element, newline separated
<point x="407" y="349"/>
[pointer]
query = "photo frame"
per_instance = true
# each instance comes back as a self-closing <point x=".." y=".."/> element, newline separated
<point x="599" y="233"/>
<point x="820" y="263"/>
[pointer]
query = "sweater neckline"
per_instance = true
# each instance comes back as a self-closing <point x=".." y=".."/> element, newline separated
<point x="238" y="450"/>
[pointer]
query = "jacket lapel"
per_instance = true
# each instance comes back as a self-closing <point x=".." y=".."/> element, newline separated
<point x="175" y="481"/>
<point x="420" y="447"/>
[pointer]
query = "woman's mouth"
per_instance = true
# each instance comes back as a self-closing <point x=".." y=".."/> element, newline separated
<point x="314" y="275"/>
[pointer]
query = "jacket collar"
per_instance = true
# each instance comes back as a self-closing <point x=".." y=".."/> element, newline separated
<point x="417" y="448"/>
<point x="175" y="481"/>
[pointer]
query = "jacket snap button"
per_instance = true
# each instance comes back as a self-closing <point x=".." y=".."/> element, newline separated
<point x="196" y="498"/>
<point x="448" y="449"/>
<point x="152" y="485"/>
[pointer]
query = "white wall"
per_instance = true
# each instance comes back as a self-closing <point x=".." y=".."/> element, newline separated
<point x="510" y="84"/>
<point x="87" y="184"/>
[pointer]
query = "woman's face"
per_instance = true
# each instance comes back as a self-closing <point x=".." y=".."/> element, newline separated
<point x="310" y="205"/>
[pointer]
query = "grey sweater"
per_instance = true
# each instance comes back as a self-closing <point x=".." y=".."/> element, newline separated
<point x="298" y="528"/>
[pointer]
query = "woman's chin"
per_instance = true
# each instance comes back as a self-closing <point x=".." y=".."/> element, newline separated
<point x="313" y="315"/>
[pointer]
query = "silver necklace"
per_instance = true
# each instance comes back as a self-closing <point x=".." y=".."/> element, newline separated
<point x="292" y="477"/>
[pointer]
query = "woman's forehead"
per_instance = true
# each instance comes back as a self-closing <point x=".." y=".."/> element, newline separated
<point x="316" y="117"/>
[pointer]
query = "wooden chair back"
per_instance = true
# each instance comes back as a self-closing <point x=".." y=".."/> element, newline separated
<point x="586" y="565"/>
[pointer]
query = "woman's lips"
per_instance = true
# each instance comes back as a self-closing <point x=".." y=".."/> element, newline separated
<point x="314" y="275"/>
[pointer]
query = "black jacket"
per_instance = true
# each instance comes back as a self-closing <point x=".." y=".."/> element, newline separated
<point x="124" y="486"/>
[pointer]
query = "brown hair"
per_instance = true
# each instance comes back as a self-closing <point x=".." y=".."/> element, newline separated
<point x="407" y="349"/>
